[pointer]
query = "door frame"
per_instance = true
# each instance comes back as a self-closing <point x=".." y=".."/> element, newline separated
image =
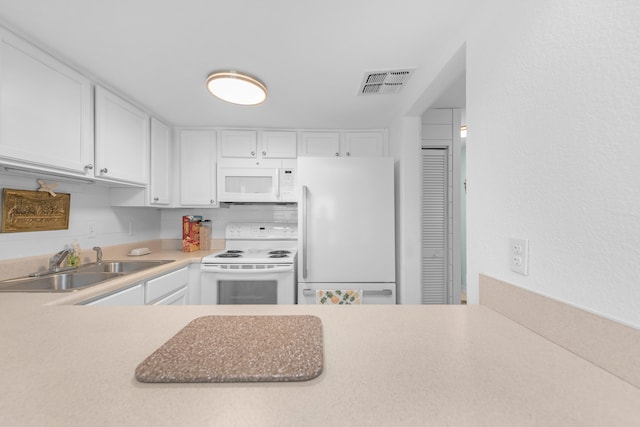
<point x="454" y="223"/>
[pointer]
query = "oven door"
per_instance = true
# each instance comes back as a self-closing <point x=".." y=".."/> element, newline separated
<point x="248" y="284"/>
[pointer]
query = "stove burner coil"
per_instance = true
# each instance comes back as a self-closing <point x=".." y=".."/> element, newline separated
<point x="229" y="255"/>
<point x="278" y="256"/>
<point x="235" y="251"/>
<point x="279" y="252"/>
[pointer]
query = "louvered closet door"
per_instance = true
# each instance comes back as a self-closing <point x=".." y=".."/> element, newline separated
<point x="434" y="226"/>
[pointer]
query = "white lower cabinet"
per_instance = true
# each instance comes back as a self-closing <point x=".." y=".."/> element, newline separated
<point x="179" y="297"/>
<point x="161" y="287"/>
<point x="129" y="296"/>
<point x="171" y="288"/>
<point x="194" y="284"/>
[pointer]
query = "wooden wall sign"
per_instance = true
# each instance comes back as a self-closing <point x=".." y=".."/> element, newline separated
<point x="24" y="210"/>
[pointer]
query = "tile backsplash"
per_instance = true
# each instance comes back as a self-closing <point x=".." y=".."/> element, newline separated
<point x="171" y="221"/>
<point x="90" y="208"/>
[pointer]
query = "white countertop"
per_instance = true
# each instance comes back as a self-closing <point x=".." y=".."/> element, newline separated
<point x="66" y="365"/>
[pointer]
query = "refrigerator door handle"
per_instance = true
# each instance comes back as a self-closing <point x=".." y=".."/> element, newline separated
<point x="277" y="183"/>
<point x="305" y="220"/>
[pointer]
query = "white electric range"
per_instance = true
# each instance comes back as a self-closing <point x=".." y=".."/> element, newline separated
<point x="257" y="266"/>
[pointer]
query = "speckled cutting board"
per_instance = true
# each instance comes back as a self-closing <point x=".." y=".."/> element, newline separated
<point x="220" y="349"/>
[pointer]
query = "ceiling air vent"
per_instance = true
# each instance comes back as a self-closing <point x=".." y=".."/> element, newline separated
<point x="379" y="82"/>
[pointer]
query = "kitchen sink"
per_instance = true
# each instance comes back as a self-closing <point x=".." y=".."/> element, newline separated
<point x="70" y="280"/>
<point x="121" y="266"/>
<point x="59" y="282"/>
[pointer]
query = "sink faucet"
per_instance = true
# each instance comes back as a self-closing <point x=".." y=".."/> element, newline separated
<point x="98" y="250"/>
<point x="56" y="260"/>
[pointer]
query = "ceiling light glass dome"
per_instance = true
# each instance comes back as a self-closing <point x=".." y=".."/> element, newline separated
<point x="237" y="88"/>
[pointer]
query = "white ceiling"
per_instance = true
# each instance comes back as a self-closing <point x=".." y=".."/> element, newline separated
<point x="311" y="54"/>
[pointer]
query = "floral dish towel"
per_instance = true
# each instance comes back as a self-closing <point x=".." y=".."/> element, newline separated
<point x="339" y="296"/>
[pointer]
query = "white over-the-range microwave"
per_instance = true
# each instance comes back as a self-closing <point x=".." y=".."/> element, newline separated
<point x="244" y="180"/>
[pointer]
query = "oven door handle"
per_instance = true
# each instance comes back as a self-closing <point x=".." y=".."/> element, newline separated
<point x="207" y="268"/>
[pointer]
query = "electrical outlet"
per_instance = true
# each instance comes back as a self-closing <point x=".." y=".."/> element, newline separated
<point x="519" y="254"/>
<point x="92" y="230"/>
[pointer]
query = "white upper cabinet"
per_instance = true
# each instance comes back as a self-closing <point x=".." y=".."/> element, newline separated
<point x="252" y="144"/>
<point x="364" y="144"/>
<point x="241" y="144"/>
<point x="159" y="190"/>
<point x="198" y="168"/>
<point x="45" y="110"/>
<point x="348" y="143"/>
<point x="122" y="139"/>
<point x="279" y="145"/>
<point x="320" y="144"/>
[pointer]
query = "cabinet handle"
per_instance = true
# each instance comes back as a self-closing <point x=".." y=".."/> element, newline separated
<point x="337" y="154"/>
<point x="155" y="199"/>
<point x="104" y="170"/>
<point x="264" y="153"/>
<point x="348" y="154"/>
<point x="89" y="166"/>
<point x="211" y="201"/>
<point x="253" y="153"/>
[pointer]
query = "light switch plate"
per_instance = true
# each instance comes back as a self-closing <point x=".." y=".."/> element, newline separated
<point x="519" y="254"/>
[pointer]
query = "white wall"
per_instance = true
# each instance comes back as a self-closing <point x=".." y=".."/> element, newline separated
<point x="553" y="155"/>
<point x="405" y="141"/>
<point x="89" y="203"/>
<point x="404" y="135"/>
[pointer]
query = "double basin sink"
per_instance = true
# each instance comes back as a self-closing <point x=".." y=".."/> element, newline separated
<point x="78" y="278"/>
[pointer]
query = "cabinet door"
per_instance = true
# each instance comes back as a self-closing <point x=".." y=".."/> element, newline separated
<point x="166" y="284"/>
<point x="194" y="283"/>
<point x="179" y="297"/>
<point x="320" y="144"/>
<point x="122" y="139"/>
<point x="160" y="151"/>
<point x="46" y="114"/>
<point x="130" y="296"/>
<point x="364" y="144"/>
<point x="238" y="143"/>
<point x="197" y="168"/>
<point x="279" y="145"/>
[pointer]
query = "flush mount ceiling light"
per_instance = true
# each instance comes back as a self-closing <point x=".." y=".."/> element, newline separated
<point x="237" y="88"/>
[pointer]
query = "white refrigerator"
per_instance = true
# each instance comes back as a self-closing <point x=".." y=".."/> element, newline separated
<point x="346" y="228"/>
